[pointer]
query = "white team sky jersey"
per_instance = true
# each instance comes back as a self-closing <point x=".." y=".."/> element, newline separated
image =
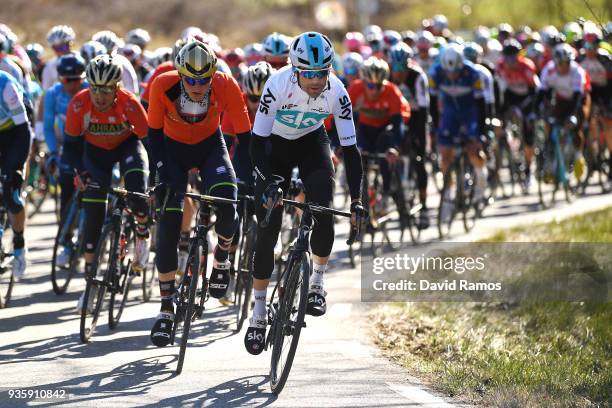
<point x="564" y="85"/>
<point x="287" y="111"/>
<point x="487" y="83"/>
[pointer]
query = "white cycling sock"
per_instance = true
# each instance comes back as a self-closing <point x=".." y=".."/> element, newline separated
<point x="260" y="302"/>
<point x="316" y="277"/>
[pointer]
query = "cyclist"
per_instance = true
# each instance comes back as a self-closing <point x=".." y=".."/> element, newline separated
<point x="139" y="37"/>
<point x="457" y="88"/>
<point x="9" y="65"/>
<point x="253" y="85"/>
<point x="567" y="81"/>
<point x="60" y="38"/>
<point x="253" y="53"/>
<point x="185" y="108"/>
<point x="378" y="104"/>
<point x="424" y="42"/>
<point x="15" y="138"/>
<point x="36" y="53"/>
<point x="235" y="59"/>
<point x="413" y="84"/>
<point x="289" y="125"/>
<point x="71" y="71"/>
<point x="276" y="50"/>
<point x="104" y="125"/>
<point x="518" y="85"/>
<point x="351" y="63"/>
<point x="598" y="64"/>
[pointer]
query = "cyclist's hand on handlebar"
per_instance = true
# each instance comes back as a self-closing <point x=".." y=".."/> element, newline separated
<point x="392" y="155"/>
<point x="81" y="179"/>
<point x="272" y="196"/>
<point x="358" y="214"/>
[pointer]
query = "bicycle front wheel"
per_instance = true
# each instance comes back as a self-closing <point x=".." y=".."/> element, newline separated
<point x="193" y="269"/>
<point x="61" y="275"/>
<point x="289" y="321"/>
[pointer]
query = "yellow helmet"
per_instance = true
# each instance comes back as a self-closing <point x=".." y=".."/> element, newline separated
<point x="196" y="60"/>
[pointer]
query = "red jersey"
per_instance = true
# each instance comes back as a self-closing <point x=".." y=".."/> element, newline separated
<point x="227" y="125"/>
<point x="109" y="129"/>
<point x="377" y="113"/>
<point x="518" y="79"/>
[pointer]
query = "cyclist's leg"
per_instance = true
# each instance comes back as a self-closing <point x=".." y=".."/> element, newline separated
<point x="449" y="129"/>
<point x="418" y="126"/>
<point x="134" y="167"/>
<point x="317" y="173"/>
<point x="99" y="164"/>
<point x="281" y="164"/>
<point x="475" y="152"/>
<point x="14" y="156"/>
<point x="219" y="179"/>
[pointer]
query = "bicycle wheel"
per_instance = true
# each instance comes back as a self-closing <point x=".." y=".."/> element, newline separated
<point x="447" y="210"/>
<point x="61" y="275"/>
<point x="121" y="279"/>
<point x="96" y="287"/>
<point x="289" y="321"/>
<point x="189" y="315"/>
<point x="149" y="274"/>
<point x="244" y="281"/>
<point x="37" y="192"/>
<point x="7" y="280"/>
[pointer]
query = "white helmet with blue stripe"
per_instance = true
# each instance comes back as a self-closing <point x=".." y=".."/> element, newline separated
<point x="311" y="51"/>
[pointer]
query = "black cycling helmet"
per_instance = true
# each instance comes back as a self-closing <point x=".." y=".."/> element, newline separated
<point x="71" y="66"/>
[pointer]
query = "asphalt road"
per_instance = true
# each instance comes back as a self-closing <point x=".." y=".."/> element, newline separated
<point x="336" y="364"/>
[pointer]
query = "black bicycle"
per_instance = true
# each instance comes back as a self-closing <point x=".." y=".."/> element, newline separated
<point x="72" y="220"/>
<point x="112" y="266"/>
<point x="6" y="258"/>
<point x="243" y="280"/>
<point x="287" y="307"/>
<point x="188" y="299"/>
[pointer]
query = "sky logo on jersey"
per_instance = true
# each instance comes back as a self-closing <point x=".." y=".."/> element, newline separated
<point x="300" y="120"/>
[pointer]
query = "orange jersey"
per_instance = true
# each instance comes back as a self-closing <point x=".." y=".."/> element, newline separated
<point x="225" y="97"/>
<point x="161" y="68"/>
<point x="378" y="113"/>
<point x="109" y="129"/>
<point x="227" y="125"/>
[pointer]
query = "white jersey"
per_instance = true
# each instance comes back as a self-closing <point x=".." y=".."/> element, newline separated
<point x="564" y="86"/>
<point x="129" y="79"/>
<point x="49" y="74"/>
<point x="287" y="111"/>
<point x="488" y="90"/>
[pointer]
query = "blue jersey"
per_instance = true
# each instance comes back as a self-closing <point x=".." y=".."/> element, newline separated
<point x="457" y="95"/>
<point x="12" y="102"/>
<point x="55" y="105"/>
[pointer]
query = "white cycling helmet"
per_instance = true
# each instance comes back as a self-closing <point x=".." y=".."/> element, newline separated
<point x="108" y="39"/>
<point x="60" y="34"/>
<point x="132" y="52"/>
<point x="351" y="63"/>
<point x="104" y="70"/>
<point x="374" y="70"/>
<point x="311" y="51"/>
<point x="92" y="49"/>
<point x="452" y="58"/>
<point x="191" y="31"/>
<point x="372" y="29"/>
<point x="139" y="37"/>
<point x="256" y="77"/>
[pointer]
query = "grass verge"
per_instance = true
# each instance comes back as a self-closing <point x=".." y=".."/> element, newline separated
<point x="553" y="354"/>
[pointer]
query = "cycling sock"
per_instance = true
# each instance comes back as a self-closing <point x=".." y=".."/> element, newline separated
<point x="316" y="277"/>
<point x="88" y="269"/>
<point x="166" y="290"/>
<point x="18" y="240"/>
<point x="223" y="246"/>
<point x="260" y="302"/>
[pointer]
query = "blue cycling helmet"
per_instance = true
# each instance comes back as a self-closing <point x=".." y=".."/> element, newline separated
<point x="398" y="56"/>
<point x="311" y="51"/>
<point x="276" y="45"/>
<point x="71" y="66"/>
<point x="472" y="52"/>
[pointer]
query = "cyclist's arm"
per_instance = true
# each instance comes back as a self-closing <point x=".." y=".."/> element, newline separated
<point x="343" y="119"/>
<point x="155" y="134"/>
<point x="262" y="129"/>
<point x="49" y="122"/>
<point x="73" y="142"/>
<point x="137" y="116"/>
<point x="15" y="102"/>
